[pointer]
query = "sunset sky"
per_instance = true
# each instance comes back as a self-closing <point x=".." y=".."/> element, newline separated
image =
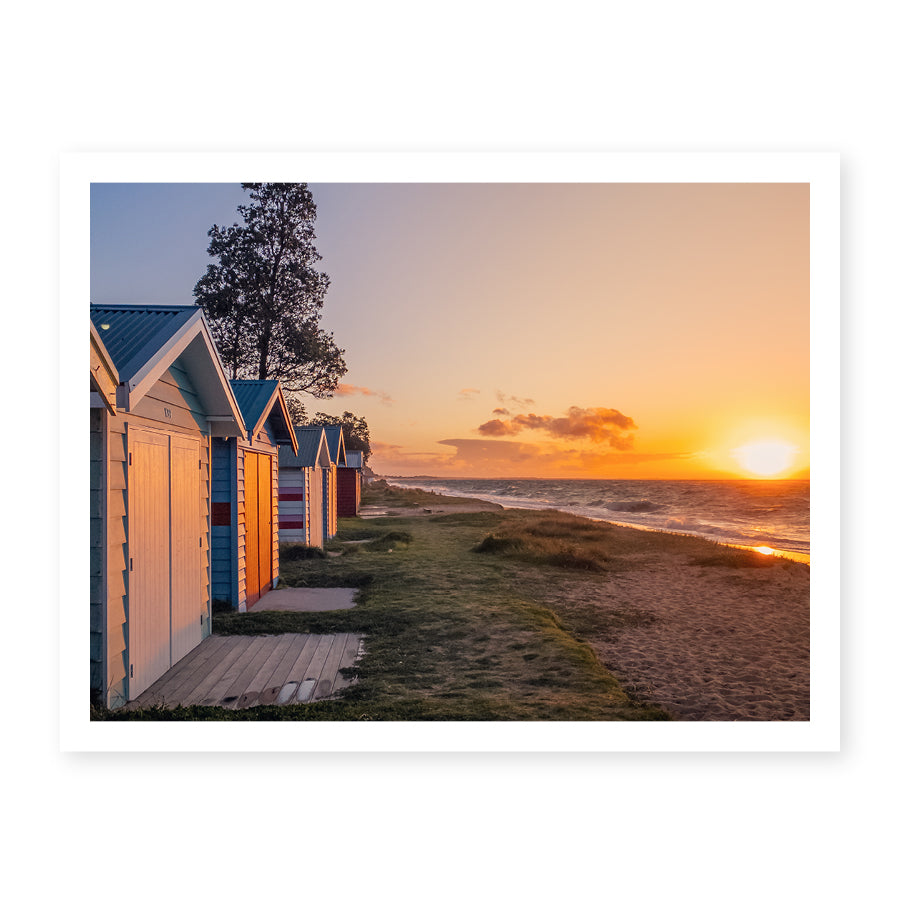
<point x="547" y="330"/>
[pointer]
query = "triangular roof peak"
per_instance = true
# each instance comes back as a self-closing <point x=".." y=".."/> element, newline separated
<point x="145" y="340"/>
<point x="312" y="448"/>
<point x="260" y="401"/>
<point x="336" y="450"/>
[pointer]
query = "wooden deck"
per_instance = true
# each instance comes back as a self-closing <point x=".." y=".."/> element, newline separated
<point x="237" y="671"/>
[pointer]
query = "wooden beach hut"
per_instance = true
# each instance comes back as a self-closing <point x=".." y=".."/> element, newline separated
<point x="244" y="496"/>
<point x="349" y="485"/>
<point x="301" y="500"/>
<point x="337" y="453"/>
<point x="150" y="486"/>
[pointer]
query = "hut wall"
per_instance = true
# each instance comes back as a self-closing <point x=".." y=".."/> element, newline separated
<point x="315" y="480"/>
<point x="170" y="406"/>
<point x="223" y="518"/>
<point x="348" y="491"/>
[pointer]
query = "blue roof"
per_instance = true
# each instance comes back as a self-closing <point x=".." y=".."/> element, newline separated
<point x="333" y="435"/>
<point x="252" y="398"/>
<point x="256" y="399"/>
<point x="309" y="439"/>
<point x="133" y="334"/>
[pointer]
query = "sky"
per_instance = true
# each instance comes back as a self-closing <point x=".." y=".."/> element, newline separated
<point x="567" y="330"/>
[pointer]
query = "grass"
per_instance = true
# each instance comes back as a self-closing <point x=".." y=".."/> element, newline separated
<point x="452" y="634"/>
<point x="380" y="493"/>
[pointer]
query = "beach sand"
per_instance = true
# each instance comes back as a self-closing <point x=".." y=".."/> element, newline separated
<point x="706" y="643"/>
<point x="710" y="644"/>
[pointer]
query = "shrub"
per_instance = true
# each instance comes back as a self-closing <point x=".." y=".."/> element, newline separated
<point x="291" y="552"/>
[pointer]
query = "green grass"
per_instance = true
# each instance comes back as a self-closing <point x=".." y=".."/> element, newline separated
<point x="453" y="634"/>
<point x="380" y="493"/>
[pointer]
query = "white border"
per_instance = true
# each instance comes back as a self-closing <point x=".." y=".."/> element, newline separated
<point x="821" y="170"/>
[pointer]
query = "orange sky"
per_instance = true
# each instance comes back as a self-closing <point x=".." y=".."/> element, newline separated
<point x="570" y="330"/>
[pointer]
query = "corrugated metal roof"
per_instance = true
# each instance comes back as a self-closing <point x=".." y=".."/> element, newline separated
<point x="309" y="439"/>
<point x="132" y="334"/>
<point x="333" y="434"/>
<point x="253" y="397"/>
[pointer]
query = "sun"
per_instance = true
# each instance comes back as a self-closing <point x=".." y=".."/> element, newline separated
<point x="765" y="457"/>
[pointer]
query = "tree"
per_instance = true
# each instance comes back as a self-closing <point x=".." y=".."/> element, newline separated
<point x="264" y="298"/>
<point x="355" y="428"/>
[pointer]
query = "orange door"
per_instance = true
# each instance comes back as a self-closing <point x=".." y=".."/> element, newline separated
<point x="265" y="524"/>
<point x="258" y="524"/>
<point x="251" y="526"/>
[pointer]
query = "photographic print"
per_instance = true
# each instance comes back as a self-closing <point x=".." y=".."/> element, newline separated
<point x="460" y="449"/>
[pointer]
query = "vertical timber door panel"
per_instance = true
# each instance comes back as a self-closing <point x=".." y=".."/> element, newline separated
<point x="185" y="546"/>
<point x="265" y="524"/>
<point x="149" y="651"/>
<point x="259" y="524"/>
<point x="251" y="525"/>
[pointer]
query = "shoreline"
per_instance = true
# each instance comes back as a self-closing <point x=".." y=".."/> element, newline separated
<point x="706" y="641"/>
<point x="763" y="549"/>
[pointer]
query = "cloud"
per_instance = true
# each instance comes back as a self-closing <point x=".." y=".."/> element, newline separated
<point x="596" y="424"/>
<point x="510" y="400"/>
<point x="500" y="411"/>
<point x="496" y="428"/>
<point x="345" y="390"/>
<point x="466" y="393"/>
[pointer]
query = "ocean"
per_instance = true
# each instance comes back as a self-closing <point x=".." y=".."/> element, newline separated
<point x="746" y="513"/>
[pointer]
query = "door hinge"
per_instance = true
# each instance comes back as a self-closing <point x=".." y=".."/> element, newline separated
<point x="132" y="670"/>
<point x="129" y="458"/>
<point x="131" y="564"/>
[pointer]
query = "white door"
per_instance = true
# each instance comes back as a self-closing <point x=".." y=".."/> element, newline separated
<point x="185" y="559"/>
<point x="164" y="602"/>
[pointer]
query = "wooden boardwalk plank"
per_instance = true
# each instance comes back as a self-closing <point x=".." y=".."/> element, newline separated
<point x="351" y="654"/>
<point x="239" y="671"/>
<point x="314" y="669"/>
<point x="272" y="688"/>
<point x="169" y="684"/>
<point x="298" y="670"/>
<point x="221" y="687"/>
<point x="231" y="650"/>
<point x="254" y="662"/>
<point x="329" y="670"/>
<point x="261" y="678"/>
<point x="156" y="691"/>
<point x="191" y="676"/>
<point x="301" y="664"/>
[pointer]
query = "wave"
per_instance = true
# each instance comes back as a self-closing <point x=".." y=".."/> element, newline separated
<point x="632" y="505"/>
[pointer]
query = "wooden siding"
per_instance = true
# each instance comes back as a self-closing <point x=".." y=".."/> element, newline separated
<point x="348" y="492"/>
<point x="115" y="685"/>
<point x="109" y="625"/>
<point x="315" y="485"/>
<point x="329" y="501"/>
<point x="305" y="483"/>
<point x="223" y="573"/>
<point x="98" y="476"/>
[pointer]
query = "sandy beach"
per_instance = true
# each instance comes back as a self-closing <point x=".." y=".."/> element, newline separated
<point x="707" y="643"/>
<point x="720" y="645"/>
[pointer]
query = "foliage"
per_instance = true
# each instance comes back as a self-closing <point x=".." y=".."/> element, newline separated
<point x="355" y="428"/>
<point x="263" y="297"/>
